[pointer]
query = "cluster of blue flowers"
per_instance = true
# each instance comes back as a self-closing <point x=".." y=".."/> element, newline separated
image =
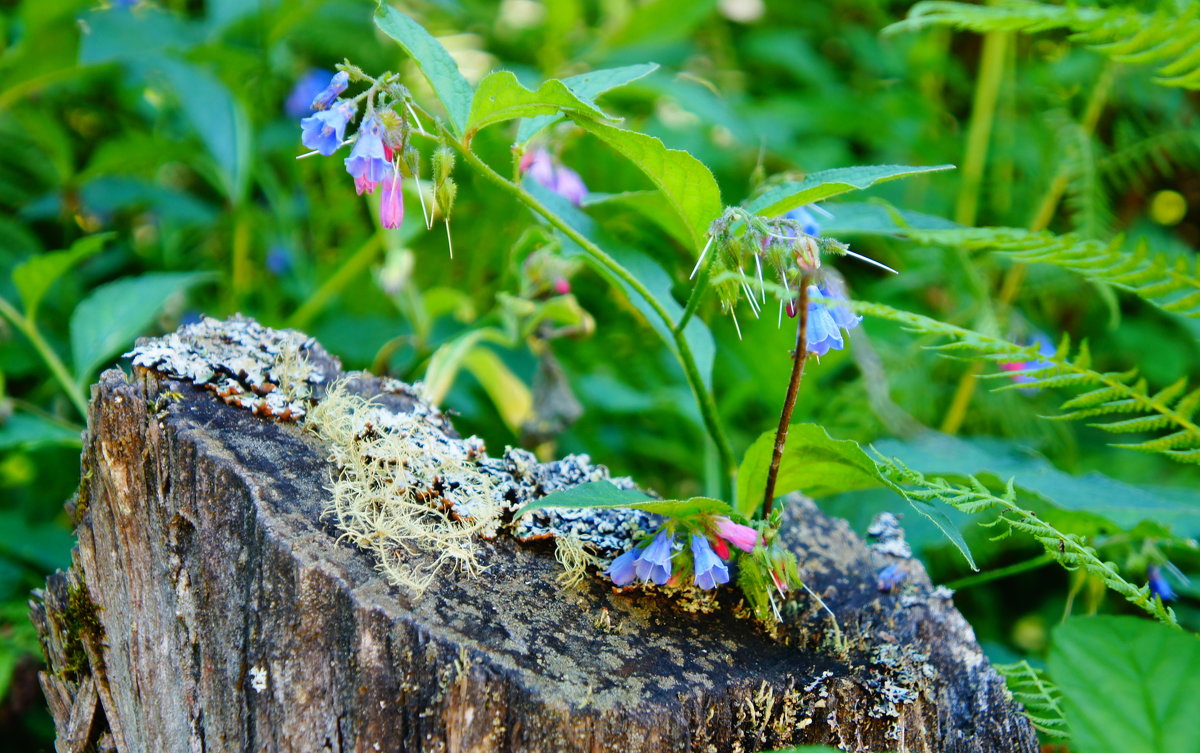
<point x="653" y="562"/>
<point x="371" y="161"/>
<point x="825" y="320"/>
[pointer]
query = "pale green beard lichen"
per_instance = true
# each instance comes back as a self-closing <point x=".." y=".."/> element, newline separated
<point x="575" y="559"/>
<point x="393" y="471"/>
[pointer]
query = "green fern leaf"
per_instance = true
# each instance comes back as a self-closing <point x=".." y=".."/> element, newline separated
<point x="1116" y="393"/>
<point x="1170" y="284"/>
<point x="1169" y="38"/>
<point x="975" y="497"/>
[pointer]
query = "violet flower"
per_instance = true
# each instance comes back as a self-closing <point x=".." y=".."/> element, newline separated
<point x="366" y="162"/>
<point x="827" y="320"/>
<point x="336" y="86"/>
<point x="654" y="561"/>
<point x="323" y="132"/>
<point x="559" y="178"/>
<point x="709" y="570"/>
<point x="299" y="100"/>
<point x="1158" y="584"/>
<point x="622" y="570"/>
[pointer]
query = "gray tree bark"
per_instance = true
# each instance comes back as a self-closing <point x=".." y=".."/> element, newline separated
<point x="210" y="608"/>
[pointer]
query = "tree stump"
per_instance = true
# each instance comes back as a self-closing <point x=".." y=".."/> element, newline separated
<point x="209" y="607"/>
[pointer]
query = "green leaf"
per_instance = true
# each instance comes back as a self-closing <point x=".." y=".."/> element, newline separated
<point x="587" y="86"/>
<point x="448" y="359"/>
<point x="34" y="276"/>
<point x="46" y="546"/>
<point x="821" y="185"/>
<point x="433" y="60"/>
<point x="218" y="118"/>
<point x="813" y="463"/>
<point x="1128" y="685"/>
<point x="114" y="314"/>
<point x="878" y="218"/>
<point x="511" y="396"/>
<point x="686" y="183"/>
<point x="604" y="495"/>
<point x="28" y="432"/>
<point x="936" y="515"/>
<point x="500" y="97"/>
<point x="650" y="204"/>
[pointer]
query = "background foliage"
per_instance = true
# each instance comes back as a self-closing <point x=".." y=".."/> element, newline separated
<point x="151" y="146"/>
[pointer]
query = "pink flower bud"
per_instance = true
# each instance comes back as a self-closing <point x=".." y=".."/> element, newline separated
<point x="561" y="286"/>
<point x="391" y="202"/>
<point x="743" y="537"/>
<point x="721" y="548"/>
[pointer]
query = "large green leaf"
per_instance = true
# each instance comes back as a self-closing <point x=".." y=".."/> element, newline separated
<point x="686" y="183"/>
<point x="1088" y="504"/>
<point x="878" y="218"/>
<point x="34" y="276"/>
<point x="114" y="314"/>
<point x="433" y="60"/>
<point x="500" y="97"/>
<point x="826" y="183"/>
<point x="812" y="462"/>
<point x="603" y="495"/>
<point x="1128" y="685"/>
<point x="217" y="117"/>
<point x="646" y="270"/>
<point x="587" y="86"/>
<point x="29" y="432"/>
<point x="44" y="545"/>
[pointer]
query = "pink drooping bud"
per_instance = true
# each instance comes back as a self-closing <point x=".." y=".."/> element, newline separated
<point x="791" y="308"/>
<point x="391" y="202"/>
<point x="561" y="286"/>
<point x="721" y="548"/>
<point x="388" y="152"/>
<point x="743" y="537"/>
<point x="363" y="184"/>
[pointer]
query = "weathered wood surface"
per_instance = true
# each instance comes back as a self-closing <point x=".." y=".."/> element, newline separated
<point x="228" y="618"/>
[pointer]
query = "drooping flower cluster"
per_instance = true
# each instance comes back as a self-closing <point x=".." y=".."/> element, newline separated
<point x="547" y="170"/>
<point x="662" y="560"/>
<point x="787" y="249"/>
<point x="380" y="154"/>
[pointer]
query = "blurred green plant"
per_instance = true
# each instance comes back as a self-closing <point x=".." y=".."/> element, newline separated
<point x="160" y="129"/>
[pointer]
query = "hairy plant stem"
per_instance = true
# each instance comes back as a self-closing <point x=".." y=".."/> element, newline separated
<point x="75" y="391"/>
<point x="683" y="350"/>
<point x="789" y="401"/>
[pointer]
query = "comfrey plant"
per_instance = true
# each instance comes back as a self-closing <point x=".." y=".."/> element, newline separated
<point x="768" y="247"/>
<point x="771" y="245"/>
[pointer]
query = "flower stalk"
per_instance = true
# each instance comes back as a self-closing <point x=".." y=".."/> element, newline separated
<point x="799" y="356"/>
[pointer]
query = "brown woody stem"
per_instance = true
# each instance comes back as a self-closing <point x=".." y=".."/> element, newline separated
<point x="789" y="402"/>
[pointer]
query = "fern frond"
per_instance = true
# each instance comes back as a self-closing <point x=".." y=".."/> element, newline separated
<point x="1085" y="199"/>
<point x="1168" y="39"/>
<point x="1139" y="153"/>
<point x="1113" y="393"/>
<point x="973" y="497"/>
<point x="1172" y="284"/>
<point x="1041" y="698"/>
